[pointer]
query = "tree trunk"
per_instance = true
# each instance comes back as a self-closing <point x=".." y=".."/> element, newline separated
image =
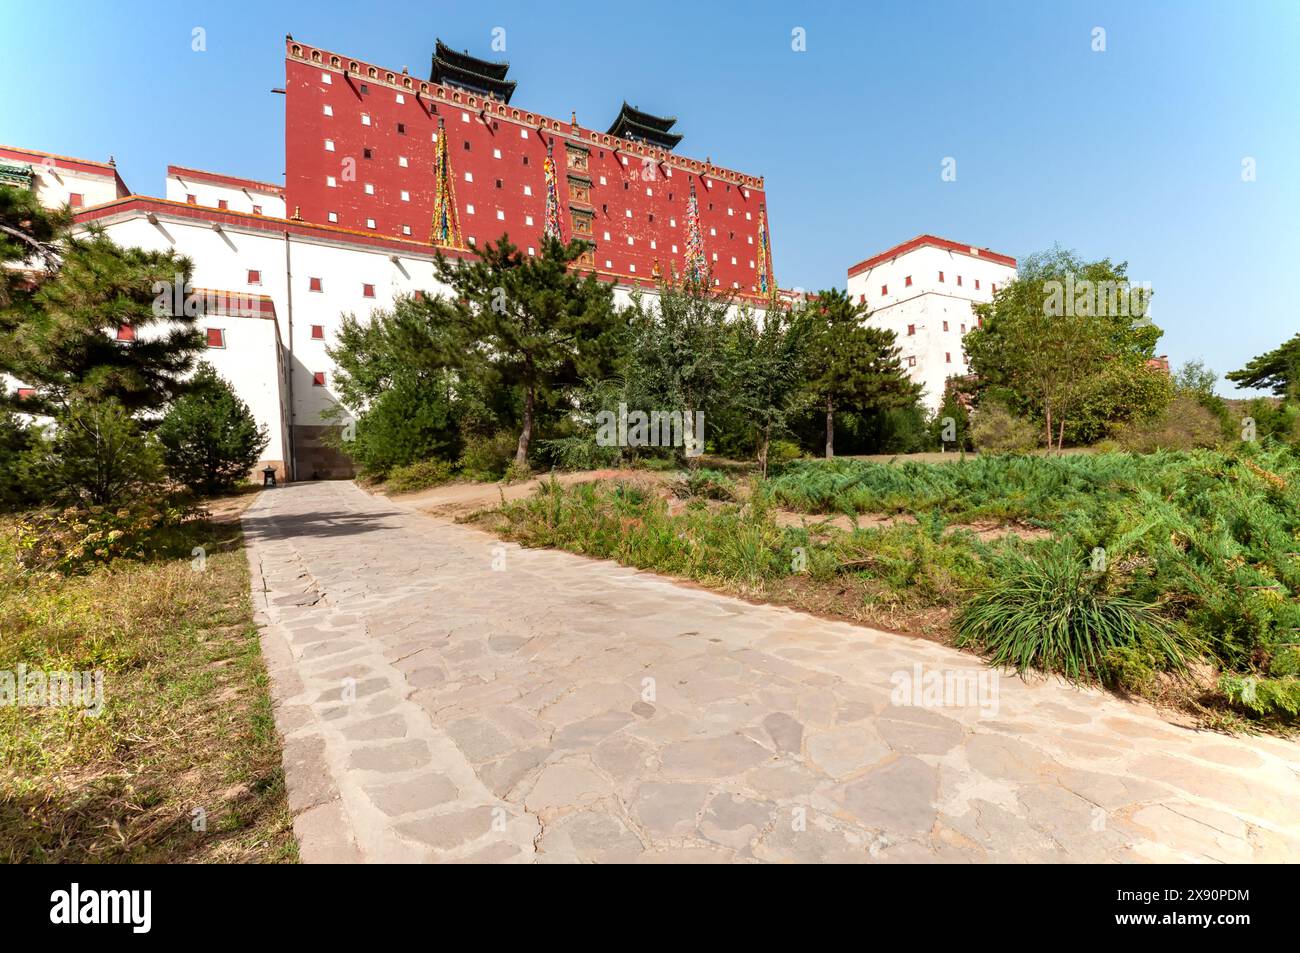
<point x="1047" y="412"/>
<point x="526" y="433"/>
<point x="830" y="429"/>
<point x="1060" y="439"/>
<point x="763" y="443"/>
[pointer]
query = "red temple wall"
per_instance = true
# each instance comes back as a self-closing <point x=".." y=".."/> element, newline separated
<point x="724" y="197"/>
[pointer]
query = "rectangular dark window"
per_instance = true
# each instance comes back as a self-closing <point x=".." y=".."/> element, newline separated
<point x="911" y="329"/>
<point x="257" y="210"/>
<point x="216" y="337"/>
<point x="76" y="199"/>
<point x="126" y="333"/>
<point x="401" y="128"/>
<point x="945" y="325"/>
<point x="254" y="277"/>
<point x="318" y="379"/>
<point x="941" y="277"/>
<point x="318" y="332"/>
<point x="222" y="203"/>
<point x="313" y="284"/>
<point x="884" y="290"/>
<point x="367" y="291"/>
<point x="191" y="199"/>
<point x="907" y="282"/>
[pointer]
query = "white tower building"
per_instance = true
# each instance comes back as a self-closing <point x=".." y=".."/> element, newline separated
<point x="925" y="291"/>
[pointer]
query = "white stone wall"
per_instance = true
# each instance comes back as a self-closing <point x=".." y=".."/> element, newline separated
<point x="181" y="185"/>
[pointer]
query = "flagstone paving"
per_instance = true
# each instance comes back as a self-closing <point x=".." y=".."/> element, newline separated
<point x="444" y="696"/>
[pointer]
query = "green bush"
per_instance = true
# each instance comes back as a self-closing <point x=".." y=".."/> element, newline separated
<point x="705" y="484"/>
<point x="407" y="423"/>
<point x="67" y="540"/>
<point x="1185" y="424"/>
<point x="995" y="429"/>
<point x="1266" y="697"/>
<point x="1050" y="612"/>
<point x="210" y="439"/>
<point x="414" y="477"/>
<point x="487" y="458"/>
<point x="780" y="454"/>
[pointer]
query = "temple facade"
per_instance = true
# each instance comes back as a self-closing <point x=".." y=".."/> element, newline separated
<point x="383" y="172"/>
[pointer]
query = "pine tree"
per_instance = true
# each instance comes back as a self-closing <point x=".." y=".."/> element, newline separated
<point x="853" y="365"/>
<point x="64" y="298"/>
<point x="529" y="324"/>
<point x="210" y="439"/>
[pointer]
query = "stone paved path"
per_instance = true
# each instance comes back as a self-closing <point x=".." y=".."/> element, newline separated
<point x="447" y="697"/>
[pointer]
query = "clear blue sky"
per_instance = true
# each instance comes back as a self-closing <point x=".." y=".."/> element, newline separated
<point x="1134" y="153"/>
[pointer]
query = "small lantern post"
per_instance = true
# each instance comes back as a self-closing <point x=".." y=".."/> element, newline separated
<point x="268" y="476"/>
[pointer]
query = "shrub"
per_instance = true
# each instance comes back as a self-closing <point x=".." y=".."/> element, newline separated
<point x="705" y="484"/>
<point x="780" y="454"/>
<point x="98" y="455"/>
<point x="409" y="422"/>
<point x="995" y="429"/>
<point x="578" y="452"/>
<point x="67" y="540"/>
<point x="1050" y="612"/>
<point x="487" y="458"/>
<point x="1185" y="424"/>
<point x="418" y="476"/>
<point x="1267" y="697"/>
<point x="210" y="439"/>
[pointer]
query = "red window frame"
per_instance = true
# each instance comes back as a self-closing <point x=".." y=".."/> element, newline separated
<point x="313" y="284"/>
<point x="367" y="291"/>
<point x="911" y="330"/>
<point x="884" y="290"/>
<point x="318" y="332"/>
<point x="941" y="277"/>
<point x="126" y="333"/>
<point x="76" y="199"/>
<point x="26" y="393"/>
<point x="216" y="337"/>
<point x="254" y="276"/>
<point x="907" y="282"/>
<point x="318" y="379"/>
<point x="191" y="198"/>
<point x="223" y="204"/>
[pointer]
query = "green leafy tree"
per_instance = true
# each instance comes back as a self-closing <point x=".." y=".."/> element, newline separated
<point x="210" y="439"/>
<point x="1278" y="370"/>
<point x="679" y="356"/>
<point x="850" y="364"/>
<point x="400" y="389"/>
<point x="530" y="324"/>
<point x="59" y="323"/>
<point x="97" y="455"/>
<point x="1047" y="337"/>
<point x="767" y="365"/>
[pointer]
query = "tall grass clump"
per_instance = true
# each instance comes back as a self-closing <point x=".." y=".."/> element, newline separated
<point x="1051" y="612"/>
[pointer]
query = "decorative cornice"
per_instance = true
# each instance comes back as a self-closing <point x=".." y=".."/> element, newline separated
<point x="404" y="82"/>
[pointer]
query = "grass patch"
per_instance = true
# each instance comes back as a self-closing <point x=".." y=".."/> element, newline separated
<point x="186" y="723"/>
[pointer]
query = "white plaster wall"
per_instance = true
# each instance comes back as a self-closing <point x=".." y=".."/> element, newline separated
<point x="180" y="186"/>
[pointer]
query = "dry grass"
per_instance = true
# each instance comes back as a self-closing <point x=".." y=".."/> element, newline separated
<point x="186" y="725"/>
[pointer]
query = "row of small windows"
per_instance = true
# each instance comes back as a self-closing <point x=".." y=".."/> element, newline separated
<point x="911" y="328"/>
<point x="907" y="282"/>
<point x="215" y="337"/>
<point x="192" y="199"/>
